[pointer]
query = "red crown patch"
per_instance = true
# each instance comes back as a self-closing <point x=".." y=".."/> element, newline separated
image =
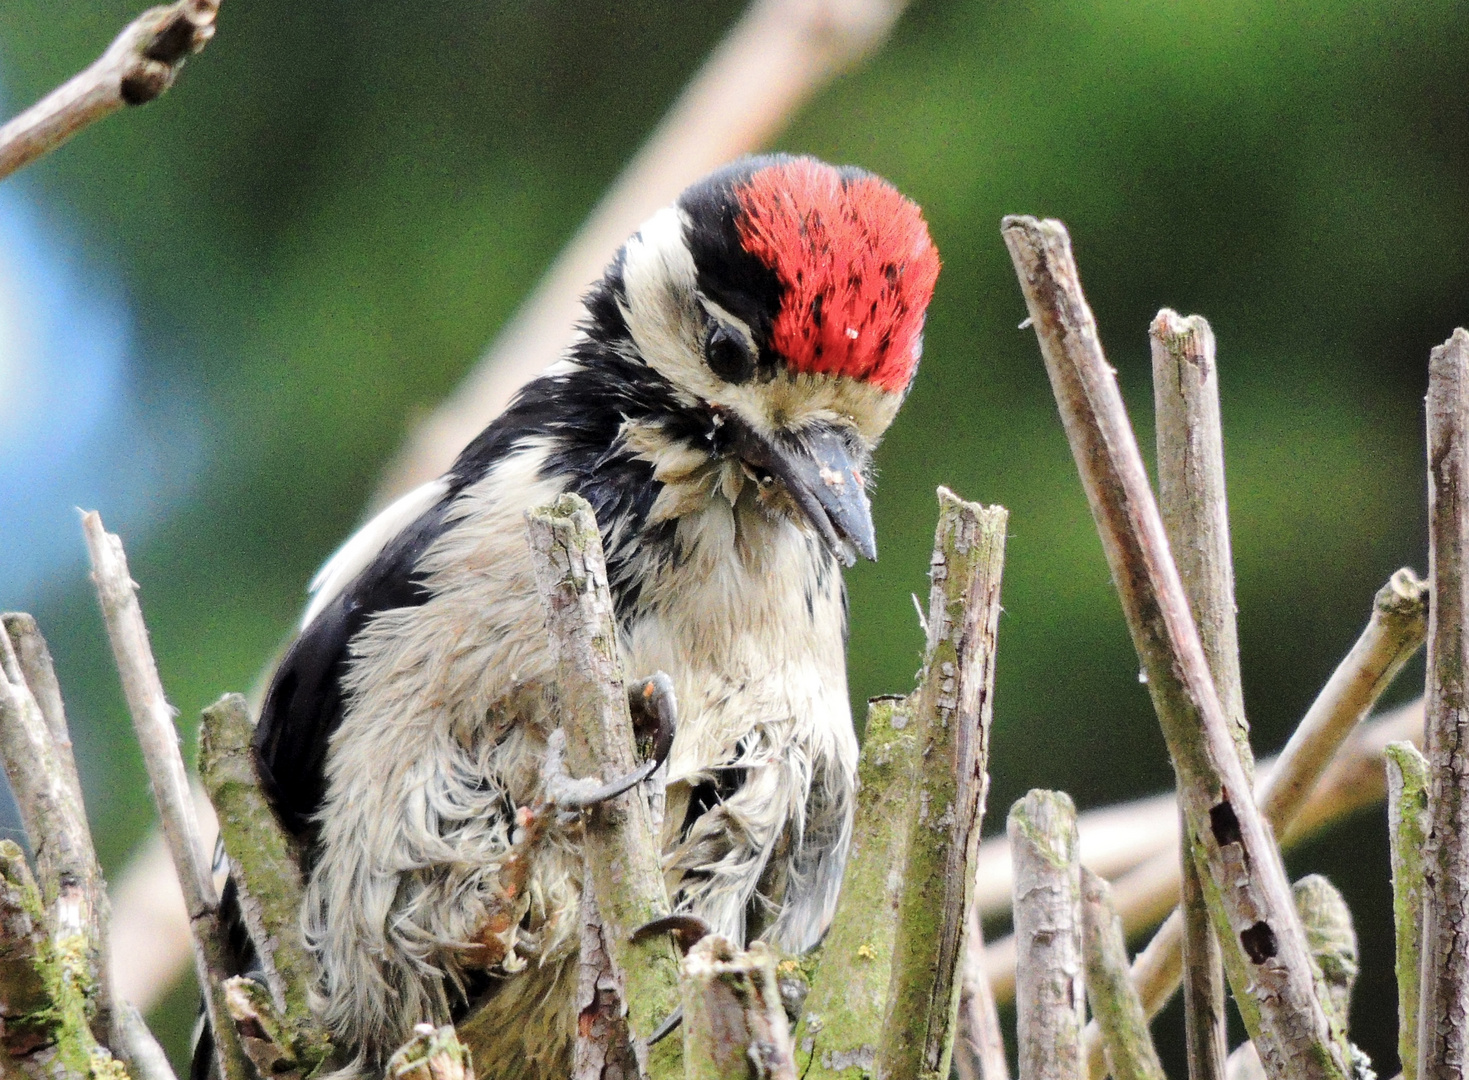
<point x="857" y="266"/>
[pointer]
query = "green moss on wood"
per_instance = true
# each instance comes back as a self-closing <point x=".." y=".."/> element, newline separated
<point x="1407" y="818"/>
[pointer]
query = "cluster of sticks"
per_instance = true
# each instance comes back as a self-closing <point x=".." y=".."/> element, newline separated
<point x="1289" y="957"/>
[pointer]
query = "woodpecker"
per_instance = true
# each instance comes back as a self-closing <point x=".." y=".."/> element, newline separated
<point x="734" y="369"/>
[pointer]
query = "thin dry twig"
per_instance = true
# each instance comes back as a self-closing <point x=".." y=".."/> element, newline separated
<point x="147" y="1058"/>
<point x="1192" y="500"/>
<point x="1049" y="991"/>
<point x="139" y="65"/>
<point x="1260" y="933"/>
<point x="1443" y="1027"/>
<point x="952" y="710"/>
<point x="1129" y="1047"/>
<point x="159" y="740"/>
<point x="1407" y="820"/>
<point x="772" y="61"/>
<point x="979" y="1047"/>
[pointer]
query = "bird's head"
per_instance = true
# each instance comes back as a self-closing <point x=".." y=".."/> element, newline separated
<point x="783" y="300"/>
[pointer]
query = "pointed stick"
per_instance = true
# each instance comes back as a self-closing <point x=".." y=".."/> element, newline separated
<point x="1191" y="498"/>
<point x="1260" y="933"/>
<point x="734" y="1024"/>
<point x="952" y="710"/>
<point x="159" y="740"/>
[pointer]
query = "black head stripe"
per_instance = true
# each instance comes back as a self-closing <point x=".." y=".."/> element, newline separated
<point x="728" y="274"/>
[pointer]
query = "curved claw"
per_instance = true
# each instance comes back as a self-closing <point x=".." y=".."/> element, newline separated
<point x="576" y="797"/>
<point x="666" y="1028"/>
<point x="687" y="930"/>
<point x="653" y="699"/>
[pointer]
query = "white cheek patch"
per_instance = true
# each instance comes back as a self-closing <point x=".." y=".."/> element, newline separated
<point x="662" y="308"/>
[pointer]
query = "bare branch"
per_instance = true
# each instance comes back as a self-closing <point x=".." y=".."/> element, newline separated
<point x="841" y="1020"/>
<point x="147" y="1058"/>
<point x="1407" y="821"/>
<point x="159" y="740"/>
<point x="136" y="68"/>
<point x="622" y="854"/>
<point x="734" y="1024"/>
<point x="771" y="61"/>
<point x="979" y="1049"/>
<point x="1192" y="500"/>
<point x="1260" y="933"/>
<point x="1049" y="991"/>
<point x="1443" y="1048"/>
<point x="952" y="710"/>
<point x="265" y="864"/>
<point x="36" y="749"/>
<point x="1130" y="1051"/>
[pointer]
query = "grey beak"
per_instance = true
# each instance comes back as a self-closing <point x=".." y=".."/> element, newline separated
<point x="817" y="468"/>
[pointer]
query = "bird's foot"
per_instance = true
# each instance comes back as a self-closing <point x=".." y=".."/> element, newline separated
<point x="654" y="713"/>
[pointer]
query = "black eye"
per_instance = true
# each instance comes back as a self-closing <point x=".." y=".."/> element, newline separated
<point x="727" y="354"/>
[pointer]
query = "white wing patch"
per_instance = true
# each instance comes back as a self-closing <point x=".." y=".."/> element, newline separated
<point x="363" y="546"/>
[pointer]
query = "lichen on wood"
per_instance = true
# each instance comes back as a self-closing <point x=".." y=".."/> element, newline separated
<point x="951" y="712"/>
<point x="621" y="850"/>
<point x="1129" y="1047"/>
<point x="1049" y="991"/>
<point x="1407" y="831"/>
<point x="841" y="1019"/>
<point x="265" y="863"/>
<point x="734" y="1024"/>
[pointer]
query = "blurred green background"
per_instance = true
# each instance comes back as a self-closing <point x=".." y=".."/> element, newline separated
<point x="315" y="234"/>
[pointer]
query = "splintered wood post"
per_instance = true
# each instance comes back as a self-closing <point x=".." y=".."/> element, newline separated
<point x="36" y="749"/>
<point x="137" y="67"/>
<point x="1260" y="933"/>
<point x="622" y="854"/>
<point x="1114" y="1001"/>
<point x="841" y="1020"/>
<point x="265" y="863"/>
<point x="1049" y="991"/>
<point x="952" y="709"/>
<point x="734" y="1023"/>
<point x="432" y="1054"/>
<point x="1443" y="1026"/>
<point x="167" y="778"/>
<point x="1192" y="500"/>
<point x="1407" y="833"/>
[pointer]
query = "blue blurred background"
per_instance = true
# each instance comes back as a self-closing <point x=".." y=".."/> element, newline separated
<point x="220" y="314"/>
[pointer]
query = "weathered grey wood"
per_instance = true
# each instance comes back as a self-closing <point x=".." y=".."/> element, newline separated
<point x="734" y="1024"/>
<point x="979" y="1047"/>
<point x="841" y="1019"/>
<point x="1114" y="1001"/>
<point x="158" y="738"/>
<point x="1407" y="831"/>
<point x="622" y="854"/>
<point x="1260" y="933"/>
<point x="266" y="865"/>
<point x="951" y="711"/>
<point x="1049" y="988"/>
<point x="1192" y="500"/>
<point x="36" y="749"/>
<point x="1443" y="1025"/>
